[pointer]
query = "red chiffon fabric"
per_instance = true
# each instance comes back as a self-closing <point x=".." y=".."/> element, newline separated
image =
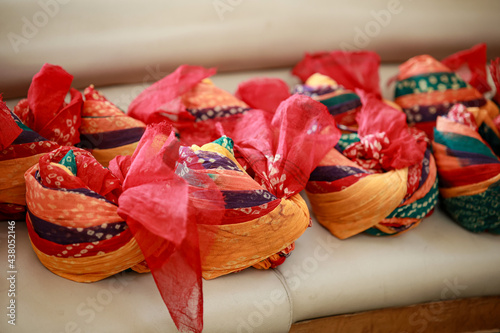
<point x="9" y="130"/>
<point x="495" y="74"/>
<point x="164" y="201"/>
<point x="155" y="204"/>
<point x="263" y="93"/>
<point x="45" y="110"/>
<point x="399" y="147"/>
<point x="353" y="70"/>
<point x="163" y="97"/>
<point x="282" y="150"/>
<point x="470" y="65"/>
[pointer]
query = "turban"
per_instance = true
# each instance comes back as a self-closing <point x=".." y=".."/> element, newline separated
<point x="94" y="123"/>
<point x="228" y="216"/>
<point x="427" y="88"/>
<point x="467" y="149"/>
<point x="190" y="102"/>
<point x="20" y="149"/>
<point x="183" y="212"/>
<point x="72" y="217"/>
<point x="379" y="179"/>
<point x="106" y="131"/>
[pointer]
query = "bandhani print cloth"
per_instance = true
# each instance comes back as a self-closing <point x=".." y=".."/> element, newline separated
<point x="190" y="102"/>
<point x="196" y="212"/>
<point x="45" y="110"/>
<point x="380" y="179"/>
<point x="495" y="74"/>
<point x="94" y="124"/>
<point x="21" y="149"/>
<point x="72" y="218"/>
<point x="342" y="104"/>
<point x="106" y="131"/>
<point x="427" y="88"/>
<point x="467" y="146"/>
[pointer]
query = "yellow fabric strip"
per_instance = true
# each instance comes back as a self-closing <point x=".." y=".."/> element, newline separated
<point x="12" y="183"/>
<point x="361" y="205"/>
<point x="95" y="268"/>
<point x="229" y="248"/>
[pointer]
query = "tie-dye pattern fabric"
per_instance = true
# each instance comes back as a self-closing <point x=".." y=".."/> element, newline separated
<point x="426" y="89"/>
<point x="72" y="218"/>
<point x="380" y="179"/>
<point x="190" y="102"/>
<point x="466" y="149"/>
<point x="18" y="156"/>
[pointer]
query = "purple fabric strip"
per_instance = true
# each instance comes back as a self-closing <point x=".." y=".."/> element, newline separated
<point x="67" y="235"/>
<point x="468" y="159"/>
<point x="314" y="91"/>
<point x="112" y="139"/>
<point x="249" y="198"/>
<point x="425" y="167"/>
<point x="334" y="172"/>
<point x="344" y="107"/>
<point x="216" y="112"/>
<point x="420" y="113"/>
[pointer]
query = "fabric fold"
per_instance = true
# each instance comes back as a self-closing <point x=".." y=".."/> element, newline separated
<point x="466" y="146"/>
<point x="72" y="218"/>
<point x="380" y="178"/>
<point x="92" y="123"/>
<point x="16" y="157"/>
<point x="427" y="88"/>
<point x="190" y="102"/>
<point x="351" y="69"/>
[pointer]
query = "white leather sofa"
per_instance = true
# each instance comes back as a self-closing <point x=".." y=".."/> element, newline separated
<point x="123" y="41"/>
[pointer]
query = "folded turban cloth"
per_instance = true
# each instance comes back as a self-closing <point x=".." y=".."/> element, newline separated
<point x="20" y="149"/>
<point x="189" y="101"/>
<point x="380" y="179"/>
<point x="94" y="124"/>
<point x="427" y="88"/>
<point x="343" y="104"/>
<point x="196" y="212"/>
<point x="106" y="131"/>
<point x="45" y="110"/>
<point x="352" y="70"/>
<point x="467" y="149"/>
<point x="495" y="74"/>
<point x="72" y="217"/>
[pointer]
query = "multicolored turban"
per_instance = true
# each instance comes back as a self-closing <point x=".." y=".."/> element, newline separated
<point x="72" y="218"/>
<point x="467" y="149"/>
<point x="20" y="149"/>
<point x="380" y="179"/>
<point x="94" y="124"/>
<point x="188" y="211"/>
<point x="427" y="88"/>
<point x="189" y="101"/>
<point x="106" y="131"/>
